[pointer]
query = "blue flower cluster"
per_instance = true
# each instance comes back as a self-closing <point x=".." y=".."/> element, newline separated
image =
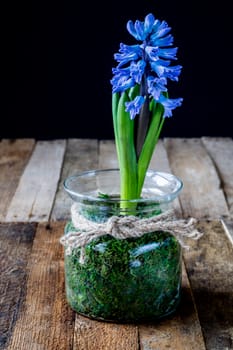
<point x="147" y="64"/>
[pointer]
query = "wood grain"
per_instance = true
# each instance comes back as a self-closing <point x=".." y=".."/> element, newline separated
<point x="160" y="162"/>
<point x="14" y="155"/>
<point x="15" y="247"/>
<point x="107" y="155"/>
<point x="221" y="152"/>
<point x="96" y="335"/>
<point x="228" y="228"/>
<point x="35" y="194"/>
<point x="209" y="264"/>
<point x="181" y="331"/>
<point x="34" y="314"/>
<point x="202" y="196"/>
<point x="46" y="321"/>
<point x="81" y="155"/>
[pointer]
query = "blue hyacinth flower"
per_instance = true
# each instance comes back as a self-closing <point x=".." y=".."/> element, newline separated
<point x="148" y="64"/>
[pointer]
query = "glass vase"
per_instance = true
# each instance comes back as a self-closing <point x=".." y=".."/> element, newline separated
<point x="122" y="280"/>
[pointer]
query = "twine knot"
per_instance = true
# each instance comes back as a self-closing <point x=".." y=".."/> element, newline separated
<point x="122" y="227"/>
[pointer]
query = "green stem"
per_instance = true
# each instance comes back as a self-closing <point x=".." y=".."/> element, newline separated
<point x="124" y="135"/>
<point x="115" y="101"/>
<point x="149" y="144"/>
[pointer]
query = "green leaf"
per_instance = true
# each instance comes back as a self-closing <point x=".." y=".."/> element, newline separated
<point x="150" y="143"/>
<point x="127" y="154"/>
<point x="134" y="91"/>
<point x="115" y="101"/>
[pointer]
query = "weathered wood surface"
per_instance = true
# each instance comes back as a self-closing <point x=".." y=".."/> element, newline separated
<point x="221" y="152"/>
<point x="15" y="247"/>
<point x="209" y="265"/>
<point x="181" y="332"/>
<point x="202" y="195"/>
<point x="107" y="155"/>
<point x="14" y="155"/>
<point x="35" y="313"/>
<point x="81" y="155"/>
<point x="45" y="320"/>
<point x="95" y="335"/>
<point x="228" y="228"/>
<point x="37" y="187"/>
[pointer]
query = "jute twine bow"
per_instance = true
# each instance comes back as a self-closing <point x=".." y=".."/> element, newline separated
<point x="122" y="227"/>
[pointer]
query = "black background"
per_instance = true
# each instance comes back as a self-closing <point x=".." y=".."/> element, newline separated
<point x="57" y="57"/>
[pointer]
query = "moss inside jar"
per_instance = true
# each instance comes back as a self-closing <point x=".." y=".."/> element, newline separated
<point x="123" y="280"/>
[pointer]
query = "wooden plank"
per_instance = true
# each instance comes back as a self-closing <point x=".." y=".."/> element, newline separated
<point x="159" y="160"/>
<point x="209" y="264"/>
<point x="202" y="196"/>
<point x="181" y="331"/>
<point x="91" y="334"/>
<point x="81" y="155"/>
<point x="221" y="152"/>
<point x="14" y="155"/>
<point x="35" y="194"/>
<point x="160" y="336"/>
<point x="228" y="228"/>
<point x="107" y="155"/>
<point x="46" y="321"/>
<point x="96" y="335"/>
<point x="15" y="247"/>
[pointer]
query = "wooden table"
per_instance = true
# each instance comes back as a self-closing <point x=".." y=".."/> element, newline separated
<point x="34" y="314"/>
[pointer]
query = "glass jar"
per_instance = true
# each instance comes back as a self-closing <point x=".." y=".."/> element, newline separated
<point x="123" y="280"/>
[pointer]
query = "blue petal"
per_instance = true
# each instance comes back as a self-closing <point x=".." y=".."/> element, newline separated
<point x="156" y="25"/>
<point x="130" y="49"/>
<point x="173" y="72"/>
<point x="149" y="22"/>
<point x="152" y="52"/>
<point x="159" y="67"/>
<point x="125" y="71"/>
<point x="160" y="29"/>
<point x="140" y="30"/>
<point x="169" y="53"/>
<point x="120" y="83"/>
<point x="136" y="30"/>
<point x="156" y="86"/>
<point x="134" y="107"/>
<point x="137" y="70"/>
<point x="166" y="41"/>
<point x="139" y="27"/>
<point x="128" y="53"/>
<point x="169" y="104"/>
<point x="131" y="29"/>
<point x="122" y="80"/>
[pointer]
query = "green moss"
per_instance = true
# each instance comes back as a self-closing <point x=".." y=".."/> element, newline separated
<point x="129" y="280"/>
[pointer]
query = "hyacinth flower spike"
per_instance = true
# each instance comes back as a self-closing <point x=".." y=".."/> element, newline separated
<point x="140" y="101"/>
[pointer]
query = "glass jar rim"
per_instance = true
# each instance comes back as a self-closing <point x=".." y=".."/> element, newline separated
<point x="151" y="174"/>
